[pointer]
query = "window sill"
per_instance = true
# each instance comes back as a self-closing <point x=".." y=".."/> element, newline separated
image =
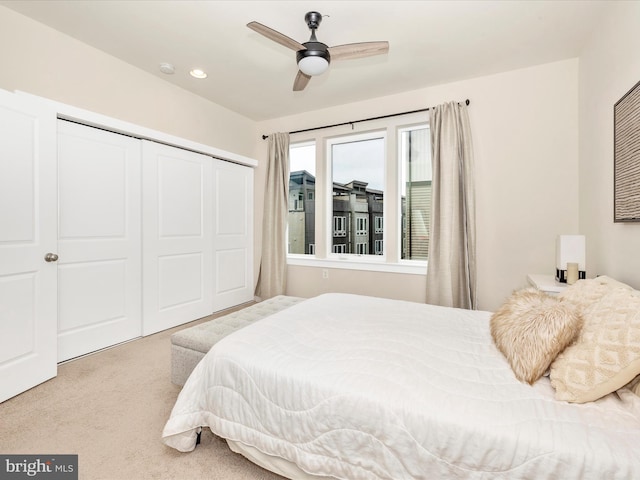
<point x="346" y="263"/>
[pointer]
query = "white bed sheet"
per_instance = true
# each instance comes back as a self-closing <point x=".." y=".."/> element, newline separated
<point x="357" y="387"/>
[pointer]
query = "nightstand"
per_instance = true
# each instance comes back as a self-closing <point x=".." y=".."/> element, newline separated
<point x="546" y="283"/>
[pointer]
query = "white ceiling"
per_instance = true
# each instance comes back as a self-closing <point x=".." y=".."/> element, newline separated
<point x="431" y="42"/>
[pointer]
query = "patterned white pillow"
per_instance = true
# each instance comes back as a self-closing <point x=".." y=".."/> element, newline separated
<point x="584" y="293"/>
<point x="606" y="354"/>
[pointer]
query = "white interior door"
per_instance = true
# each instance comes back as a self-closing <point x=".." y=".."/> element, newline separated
<point x="233" y="235"/>
<point x="177" y="240"/>
<point x="99" y="239"/>
<point x="27" y="233"/>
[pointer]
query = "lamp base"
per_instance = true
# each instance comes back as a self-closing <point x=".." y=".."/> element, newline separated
<point x="561" y="275"/>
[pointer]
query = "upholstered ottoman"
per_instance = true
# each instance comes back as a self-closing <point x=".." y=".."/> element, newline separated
<point x="190" y="345"/>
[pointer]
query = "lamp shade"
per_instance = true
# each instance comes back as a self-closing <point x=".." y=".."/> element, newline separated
<point x="313" y="65"/>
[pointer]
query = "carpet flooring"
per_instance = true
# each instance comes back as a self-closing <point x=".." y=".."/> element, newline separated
<point x="109" y="408"/>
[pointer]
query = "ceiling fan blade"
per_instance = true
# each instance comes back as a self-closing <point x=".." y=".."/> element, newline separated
<point x="358" y="50"/>
<point x="301" y="81"/>
<point x="278" y="37"/>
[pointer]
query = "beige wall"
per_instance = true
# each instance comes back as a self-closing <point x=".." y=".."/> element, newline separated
<point x="525" y="132"/>
<point x="39" y="60"/>
<point x="308" y="282"/>
<point x="524" y="128"/>
<point x="609" y="67"/>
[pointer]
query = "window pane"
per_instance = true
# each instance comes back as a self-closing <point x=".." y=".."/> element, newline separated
<point x="302" y="207"/>
<point x="358" y="196"/>
<point x="415" y="153"/>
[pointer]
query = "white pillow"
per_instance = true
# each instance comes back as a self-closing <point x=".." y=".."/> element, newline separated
<point x="606" y="354"/>
<point x="584" y="293"/>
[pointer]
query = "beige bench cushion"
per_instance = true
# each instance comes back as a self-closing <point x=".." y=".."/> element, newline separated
<point x="190" y="345"/>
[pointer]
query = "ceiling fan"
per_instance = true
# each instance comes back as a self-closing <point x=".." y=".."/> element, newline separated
<point x="313" y="57"/>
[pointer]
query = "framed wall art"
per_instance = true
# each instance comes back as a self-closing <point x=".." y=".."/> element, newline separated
<point x="626" y="157"/>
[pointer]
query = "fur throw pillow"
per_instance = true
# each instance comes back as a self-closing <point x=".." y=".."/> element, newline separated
<point x="634" y="385"/>
<point x="531" y="328"/>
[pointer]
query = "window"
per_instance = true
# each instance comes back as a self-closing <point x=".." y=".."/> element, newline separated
<point x="375" y="197"/>
<point x="340" y="248"/>
<point x="379" y="224"/>
<point x="339" y="229"/>
<point x="298" y="203"/>
<point x="361" y="248"/>
<point x="302" y="184"/>
<point x="361" y="226"/>
<point x="357" y="173"/>
<point x="415" y="195"/>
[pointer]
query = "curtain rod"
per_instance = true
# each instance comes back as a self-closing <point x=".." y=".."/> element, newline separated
<point x="264" y="137"/>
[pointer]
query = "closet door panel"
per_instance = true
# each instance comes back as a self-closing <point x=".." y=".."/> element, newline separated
<point x="27" y="232"/>
<point x="233" y="240"/>
<point x="180" y="280"/>
<point x="91" y="294"/>
<point x="180" y="196"/>
<point x="99" y="272"/>
<point x="93" y="183"/>
<point x="177" y="236"/>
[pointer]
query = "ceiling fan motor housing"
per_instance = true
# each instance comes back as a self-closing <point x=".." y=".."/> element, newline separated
<point x="314" y="49"/>
<point x="313" y="57"/>
<point x="313" y="20"/>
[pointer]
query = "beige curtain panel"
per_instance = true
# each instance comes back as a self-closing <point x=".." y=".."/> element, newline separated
<point x="451" y="271"/>
<point x="272" y="279"/>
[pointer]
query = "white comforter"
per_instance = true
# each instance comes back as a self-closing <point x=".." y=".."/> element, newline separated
<point x="365" y="388"/>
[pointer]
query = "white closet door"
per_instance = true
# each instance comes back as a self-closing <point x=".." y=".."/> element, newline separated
<point x="233" y="238"/>
<point x="27" y="234"/>
<point x="177" y="236"/>
<point x="99" y="271"/>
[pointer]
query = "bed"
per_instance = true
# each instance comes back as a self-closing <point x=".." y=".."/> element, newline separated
<point x="355" y="387"/>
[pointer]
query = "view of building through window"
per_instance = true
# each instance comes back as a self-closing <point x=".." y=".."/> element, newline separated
<point x="356" y="169"/>
<point x="415" y="161"/>
<point x="302" y="197"/>
<point x="357" y="166"/>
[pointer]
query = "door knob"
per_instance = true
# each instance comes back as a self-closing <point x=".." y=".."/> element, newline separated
<point x="50" y="257"/>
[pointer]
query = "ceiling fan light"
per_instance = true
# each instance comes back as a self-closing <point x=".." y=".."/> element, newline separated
<point x="313" y="65"/>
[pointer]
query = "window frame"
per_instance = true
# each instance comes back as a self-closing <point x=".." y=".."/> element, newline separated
<point x="362" y="226"/>
<point x="378" y="247"/>
<point x="379" y="224"/>
<point x="291" y="257"/>
<point x="339" y="226"/>
<point x="324" y="257"/>
<point x="329" y="142"/>
<point x="339" y="246"/>
<point x="399" y="158"/>
<point x="362" y="248"/>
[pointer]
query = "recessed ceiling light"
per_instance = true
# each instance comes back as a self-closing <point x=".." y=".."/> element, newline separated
<point x="167" y="68"/>
<point x="197" y="73"/>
